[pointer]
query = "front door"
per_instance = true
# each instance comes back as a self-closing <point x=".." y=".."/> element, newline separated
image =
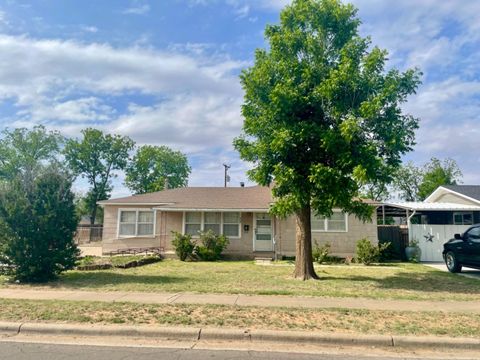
<point x="263" y="233"/>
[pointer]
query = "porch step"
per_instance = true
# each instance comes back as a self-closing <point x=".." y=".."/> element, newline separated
<point x="262" y="259"/>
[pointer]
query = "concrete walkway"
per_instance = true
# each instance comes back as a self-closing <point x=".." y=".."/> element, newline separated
<point x="466" y="271"/>
<point x="243" y="300"/>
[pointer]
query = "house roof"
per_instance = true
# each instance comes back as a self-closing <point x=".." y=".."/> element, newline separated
<point x="252" y="198"/>
<point x="469" y="192"/>
<point x="202" y="198"/>
<point x="419" y="206"/>
<point x="472" y="191"/>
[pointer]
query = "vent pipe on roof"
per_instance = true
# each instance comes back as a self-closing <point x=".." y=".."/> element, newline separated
<point x="242" y="184"/>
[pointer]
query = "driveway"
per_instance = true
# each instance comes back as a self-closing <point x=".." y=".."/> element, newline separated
<point x="466" y="271"/>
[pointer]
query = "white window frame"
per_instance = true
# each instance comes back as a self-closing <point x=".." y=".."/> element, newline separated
<point x="326" y="220"/>
<point x="137" y="210"/>
<point x="462" y="213"/>
<point x="221" y="223"/>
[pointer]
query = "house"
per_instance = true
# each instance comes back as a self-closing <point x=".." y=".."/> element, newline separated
<point x="450" y="209"/>
<point x="241" y="213"/>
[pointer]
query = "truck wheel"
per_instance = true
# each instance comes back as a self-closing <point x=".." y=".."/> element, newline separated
<point x="452" y="263"/>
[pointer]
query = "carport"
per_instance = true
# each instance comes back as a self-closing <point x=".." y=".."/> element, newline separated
<point x="432" y="224"/>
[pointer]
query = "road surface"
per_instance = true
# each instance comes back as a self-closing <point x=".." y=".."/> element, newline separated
<point x="41" y="351"/>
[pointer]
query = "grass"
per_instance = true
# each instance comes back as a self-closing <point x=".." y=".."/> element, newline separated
<point x="393" y="281"/>
<point x="331" y="320"/>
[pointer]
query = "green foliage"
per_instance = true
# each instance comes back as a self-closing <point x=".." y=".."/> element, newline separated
<point x="184" y="245"/>
<point x="323" y="116"/>
<point x="95" y="158"/>
<point x="438" y="173"/>
<point x="153" y="166"/>
<point x="82" y="209"/>
<point x="211" y="246"/>
<point x="417" y="183"/>
<point x="367" y="253"/>
<point x="23" y="151"/>
<point x="38" y="222"/>
<point x="321" y="254"/>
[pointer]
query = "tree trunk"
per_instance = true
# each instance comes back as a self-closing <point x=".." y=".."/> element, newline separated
<point x="93" y="215"/>
<point x="303" y="257"/>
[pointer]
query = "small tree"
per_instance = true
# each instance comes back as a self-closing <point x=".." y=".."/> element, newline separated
<point x="95" y="158"/>
<point x="154" y="167"/>
<point x="37" y="225"/>
<point x="322" y="116"/>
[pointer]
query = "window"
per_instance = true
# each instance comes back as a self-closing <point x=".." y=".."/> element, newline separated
<point x="231" y="224"/>
<point x="213" y="221"/>
<point x="136" y="223"/>
<point x="474" y="234"/>
<point x="220" y="223"/>
<point x="460" y="218"/>
<point x="193" y="223"/>
<point x="335" y="223"/>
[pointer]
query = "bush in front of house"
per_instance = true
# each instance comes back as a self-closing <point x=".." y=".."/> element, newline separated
<point x="211" y="246"/>
<point x="184" y="245"/>
<point x="367" y="253"/>
<point x="37" y="225"/>
<point x="321" y="254"/>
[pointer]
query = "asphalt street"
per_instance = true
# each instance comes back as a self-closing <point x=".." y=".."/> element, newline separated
<point x="34" y="351"/>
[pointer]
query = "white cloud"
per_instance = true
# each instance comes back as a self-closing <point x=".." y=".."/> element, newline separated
<point x="68" y="85"/>
<point x="90" y="29"/>
<point x="137" y="9"/>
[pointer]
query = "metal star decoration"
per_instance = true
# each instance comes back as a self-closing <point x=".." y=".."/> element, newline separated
<point x="429" y="237"/>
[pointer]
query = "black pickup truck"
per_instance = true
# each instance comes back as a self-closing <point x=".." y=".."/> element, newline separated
<point x="463" y="249"/>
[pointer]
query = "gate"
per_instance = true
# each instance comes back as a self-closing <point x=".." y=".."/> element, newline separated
<point x="397" y="236"/>
<point x="432" y="237"/>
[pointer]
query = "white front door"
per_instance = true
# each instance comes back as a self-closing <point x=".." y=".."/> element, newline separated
<point x="262" y="238"/>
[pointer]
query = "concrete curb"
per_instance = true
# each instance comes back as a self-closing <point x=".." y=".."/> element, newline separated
<point x="242" y="335"/>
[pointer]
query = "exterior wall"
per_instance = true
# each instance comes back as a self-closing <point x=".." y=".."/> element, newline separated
<point x="452" y="198"/>
<point x="165" y="223"/>
<point x="343" y="244"/>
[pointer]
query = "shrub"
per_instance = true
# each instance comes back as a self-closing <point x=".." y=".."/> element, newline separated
<point x="212" y="246"/>
<point x="37" y="225"/>
<point x="321" y="253"/>
<point x="184" y="245"/>
<point x="367" y="253"/>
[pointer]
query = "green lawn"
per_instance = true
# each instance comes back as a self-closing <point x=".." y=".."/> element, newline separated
<point x="395" y="281"/>
<point x="331" y="320"/>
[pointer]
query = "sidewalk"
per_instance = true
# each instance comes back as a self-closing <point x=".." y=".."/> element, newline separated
<point x="243" y="300"/>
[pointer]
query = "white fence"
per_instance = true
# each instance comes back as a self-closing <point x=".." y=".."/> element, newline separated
<point x="432" y="237"/>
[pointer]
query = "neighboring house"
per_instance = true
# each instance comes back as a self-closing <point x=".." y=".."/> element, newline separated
<point x="450" y="209"/>
<point x="241" y="213"/>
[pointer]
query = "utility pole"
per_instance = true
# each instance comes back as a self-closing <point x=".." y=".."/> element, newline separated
<point x="226" y="178"/>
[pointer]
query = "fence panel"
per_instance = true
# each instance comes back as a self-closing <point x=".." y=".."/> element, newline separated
<point x="87" y="234"/>
<point x="397" y="236"/>
<point x="432" y="237"/>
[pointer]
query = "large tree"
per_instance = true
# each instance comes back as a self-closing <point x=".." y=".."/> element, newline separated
<point x="155" y="167"/>
<point x="417" y="183"/>
<point x="322" y="117"/>
<point x="96" y="157"/>
<point x="24" y="151"/>
<point x="407" y="181"/>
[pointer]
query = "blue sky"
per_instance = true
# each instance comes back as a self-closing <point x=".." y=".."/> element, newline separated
<point x="166" y="72"/>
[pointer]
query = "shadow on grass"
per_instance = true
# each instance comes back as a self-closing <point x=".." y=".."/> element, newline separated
<point x="98" y="279"/>
<point x="421" y="282"/>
